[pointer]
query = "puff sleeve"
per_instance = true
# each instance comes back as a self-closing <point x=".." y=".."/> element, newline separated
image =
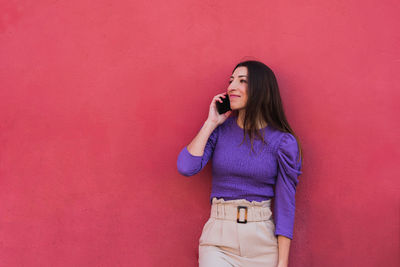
<point x="285" y="186"/>
<point x="189" y="164"/>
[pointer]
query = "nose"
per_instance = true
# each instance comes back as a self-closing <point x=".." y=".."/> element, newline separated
<point x="233" y="85"/>
<point x="231" y="88"/>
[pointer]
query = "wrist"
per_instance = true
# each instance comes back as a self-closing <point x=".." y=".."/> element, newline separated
<point x="211" y="124"/>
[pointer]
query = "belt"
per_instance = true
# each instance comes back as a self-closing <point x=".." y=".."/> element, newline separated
<point x="240" y="213"/>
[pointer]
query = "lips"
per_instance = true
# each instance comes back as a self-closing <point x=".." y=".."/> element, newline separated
<point x="234" y="96"/>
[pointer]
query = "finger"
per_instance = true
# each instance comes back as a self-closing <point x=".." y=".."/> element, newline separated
<point x="218" y="98"/>
<point x="221" y="96"/>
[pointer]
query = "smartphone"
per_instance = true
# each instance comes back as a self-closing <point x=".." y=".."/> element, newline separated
<point x="224" y="106"/>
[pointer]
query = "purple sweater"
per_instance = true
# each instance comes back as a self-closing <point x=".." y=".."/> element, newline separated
<point x="237" y="174"/>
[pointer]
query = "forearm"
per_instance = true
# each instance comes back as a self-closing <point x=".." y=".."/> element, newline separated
<point x="283" y="248"/>
<point x="196" y="147"/>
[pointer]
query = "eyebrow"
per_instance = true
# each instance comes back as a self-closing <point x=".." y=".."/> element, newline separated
<point x="240" y="76"/>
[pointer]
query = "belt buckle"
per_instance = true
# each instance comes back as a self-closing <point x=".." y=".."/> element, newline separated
<point x="238" y="214"/>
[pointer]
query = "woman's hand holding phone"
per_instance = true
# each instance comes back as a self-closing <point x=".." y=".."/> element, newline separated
<point x="198" y="144"/>
<point x="213" y="116"/>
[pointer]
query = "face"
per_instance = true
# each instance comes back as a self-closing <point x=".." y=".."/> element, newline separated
<point x="237" y="89"/>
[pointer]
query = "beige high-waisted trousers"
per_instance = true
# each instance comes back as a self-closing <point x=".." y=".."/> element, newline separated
<point x="226" y="242"/>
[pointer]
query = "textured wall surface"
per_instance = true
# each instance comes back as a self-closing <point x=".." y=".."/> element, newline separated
<point x="97" y="98"/>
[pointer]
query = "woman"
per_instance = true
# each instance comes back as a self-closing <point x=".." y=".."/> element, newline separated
<point x="242" y="230"/>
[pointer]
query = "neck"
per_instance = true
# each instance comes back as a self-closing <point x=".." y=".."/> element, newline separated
<point x="260" y="122"/>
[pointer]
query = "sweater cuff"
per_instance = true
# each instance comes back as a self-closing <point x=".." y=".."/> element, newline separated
<point x="286" y="234"/>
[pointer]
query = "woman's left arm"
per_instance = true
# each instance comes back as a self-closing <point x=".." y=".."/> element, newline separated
<point x="285" y="190"/>
<point x="283" y="247"/>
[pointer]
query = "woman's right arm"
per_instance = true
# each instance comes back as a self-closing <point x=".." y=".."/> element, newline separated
<point x="198" y="144"/>
<point x="197" y="153"/>
<point x="195" y="156"/>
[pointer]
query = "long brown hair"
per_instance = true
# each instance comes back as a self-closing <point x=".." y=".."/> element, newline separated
<point x="264" y="101"/>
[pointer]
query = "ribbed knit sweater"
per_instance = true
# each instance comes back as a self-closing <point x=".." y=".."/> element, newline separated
<point x="272" y="171"/>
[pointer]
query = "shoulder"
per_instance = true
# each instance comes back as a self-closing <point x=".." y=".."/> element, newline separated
<point x="227" y="123"/>
<point x="220" y="129"/>
<point x="287" y="145"/>
<point x="288" y="152"/>
<point x="287" y="140"/>
<point x="229" y="120"/>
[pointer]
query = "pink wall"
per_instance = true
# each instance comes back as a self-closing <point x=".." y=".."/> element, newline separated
<point x="97" y="98"/>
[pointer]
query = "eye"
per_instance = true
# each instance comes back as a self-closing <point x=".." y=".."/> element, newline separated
<point x="240" y="81"/>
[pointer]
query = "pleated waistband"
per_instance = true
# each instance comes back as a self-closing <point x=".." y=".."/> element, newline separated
<point x="265" y="203"/>
<point x="236" y="209"/>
